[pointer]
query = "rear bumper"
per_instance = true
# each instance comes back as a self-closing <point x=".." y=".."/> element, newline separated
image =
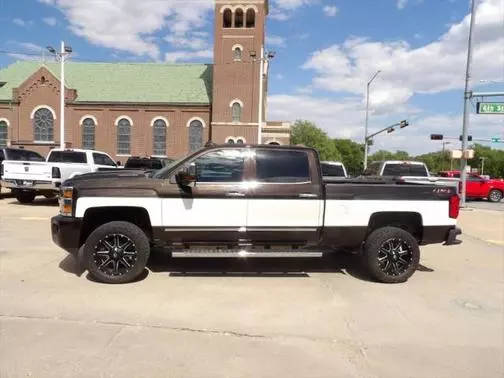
<point x="452" y="236"/>
<point x="37" y="185"/>
<point x="66" y="233"/>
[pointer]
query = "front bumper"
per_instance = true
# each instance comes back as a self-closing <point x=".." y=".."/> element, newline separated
<point x="452" y="236"/>
<point x="66" y="233"/>
<point x="36" y="185"/>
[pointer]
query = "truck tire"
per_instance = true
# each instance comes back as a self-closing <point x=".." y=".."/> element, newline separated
<point x="391" y="255"/>
<point x="495" y="195"/>
<point x="25" y="197"/>
<point x="116" y="252"/>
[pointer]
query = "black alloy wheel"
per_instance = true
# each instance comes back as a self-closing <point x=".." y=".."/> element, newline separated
<point x="116" y="252"/>
<point x="395" y="256"/>
<point x="391" y="254"/>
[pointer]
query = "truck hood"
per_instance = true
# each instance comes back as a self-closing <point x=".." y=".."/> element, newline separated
<point x="120" y="179"/>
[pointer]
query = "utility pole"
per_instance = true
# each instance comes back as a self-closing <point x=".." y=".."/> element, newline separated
<point x="64" y="52"/>
<point x="367" y="119"/>
<point x="261" y="79"/>
<point x="482" y="165"/>
<point x="467" y="105"/>
<point x="444" y="144"/>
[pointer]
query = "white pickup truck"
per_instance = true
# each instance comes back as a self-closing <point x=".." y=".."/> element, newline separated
<point x="27" y="179"/>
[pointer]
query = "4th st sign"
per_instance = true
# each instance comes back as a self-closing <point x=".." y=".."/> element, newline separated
<point x="490" y="108"/>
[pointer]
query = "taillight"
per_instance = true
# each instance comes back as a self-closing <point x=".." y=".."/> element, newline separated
<point x="55" y="172"/>
<point x="454" y="206"/>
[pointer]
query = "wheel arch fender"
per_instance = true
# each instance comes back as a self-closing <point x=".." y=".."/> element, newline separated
<point x="408" y="221"/>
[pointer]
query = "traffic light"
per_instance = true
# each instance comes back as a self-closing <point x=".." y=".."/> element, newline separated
<point x="436" y="136"/>
<point x="469" y="138"/>
<point x="404" y="124"/>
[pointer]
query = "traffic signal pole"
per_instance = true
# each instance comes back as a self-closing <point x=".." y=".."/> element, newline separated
<point x="467" y="104"/>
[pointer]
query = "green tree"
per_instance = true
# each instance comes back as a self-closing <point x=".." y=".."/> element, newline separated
<point x="308" y="134"/>
<point x="352" y="155"/>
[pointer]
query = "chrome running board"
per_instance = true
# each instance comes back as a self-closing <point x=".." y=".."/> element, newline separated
<point x="243" y="253"/>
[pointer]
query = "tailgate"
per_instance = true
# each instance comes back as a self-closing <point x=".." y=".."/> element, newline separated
<point x="27" y="170"/>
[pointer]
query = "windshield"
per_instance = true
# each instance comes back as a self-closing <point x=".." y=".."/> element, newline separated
<point x="22" y="155"/>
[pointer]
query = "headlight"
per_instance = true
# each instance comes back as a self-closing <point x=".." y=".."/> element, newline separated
<point x="66" y="201"/>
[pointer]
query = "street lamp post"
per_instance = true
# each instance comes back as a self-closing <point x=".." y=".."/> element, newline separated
<point x="367" y="119"/>
<point x="482" y="165"/>
<point x="64" y="52"/>
<point x="444" y="144"/>
<point x="262" y="61"/>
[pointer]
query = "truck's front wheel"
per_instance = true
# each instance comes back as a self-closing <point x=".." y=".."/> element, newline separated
<point x="391" y="254"/>
<point x="116" y="252"/>
<point x="25" y="197"/>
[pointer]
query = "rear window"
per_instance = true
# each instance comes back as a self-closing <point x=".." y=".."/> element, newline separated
<point x="102" y="159"/>
<point x="23" y="155"/>
<point x="67" y="157"/>
<point x="282" y="166"/>
<point x="332" y="170"/>
<point x="143" y="164"/>
<point x="404" y="170"/>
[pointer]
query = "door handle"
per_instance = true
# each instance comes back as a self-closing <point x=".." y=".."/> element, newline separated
<point x="235" y="194"/>
<point x="308" y="195"/>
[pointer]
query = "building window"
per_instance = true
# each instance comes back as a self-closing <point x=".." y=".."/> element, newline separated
<point x="230" y="140"/>
<point x="159" y="137"/>
<point x="236" y="111"/>
<point x="250" y="19"/>
<point x="123" y="137"/>
<point x="88" y="134"/>
<point x="43" y="125"/>
<point x="3" y="134"/>
<point x="237" y="53"/>
<point x="227" y="18"/>
<point x="240" y="141"/>
<point x="238" y="18"/>
<point x="195" y="135"/>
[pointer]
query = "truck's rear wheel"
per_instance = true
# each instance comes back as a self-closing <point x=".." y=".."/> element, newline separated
<point x="25" y="197"/>
<point x="495" y="195"/>
<point x="116" y="252"/>
<point x="391" y="254"/>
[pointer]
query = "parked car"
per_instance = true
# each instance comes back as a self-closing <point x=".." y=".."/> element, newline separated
<point x="146" y="163"/>
<point x="17" y="154"/>
<point x="249" y="201"/>
<point x="29" y="178"/>
<point x="333" y="170"/>
<point x="480" y="187"/>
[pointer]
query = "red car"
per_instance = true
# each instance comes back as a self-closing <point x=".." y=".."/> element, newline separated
<point x="479" y="187"/>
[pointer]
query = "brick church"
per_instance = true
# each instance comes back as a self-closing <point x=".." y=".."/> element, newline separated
<point x="138" y="109"/>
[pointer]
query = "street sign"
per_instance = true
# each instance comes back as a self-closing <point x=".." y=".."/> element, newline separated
<point x="490" y="108"/>
<point x="497" y="140"/>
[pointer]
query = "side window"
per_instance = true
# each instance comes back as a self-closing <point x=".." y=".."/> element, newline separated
<point x="282" y="166"/>
<point x="220" y="166"/>
<point x="101" y="159"/>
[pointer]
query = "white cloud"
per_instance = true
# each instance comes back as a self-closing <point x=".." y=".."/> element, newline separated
<point x="22" y="23"/>
<point x="401" y="4"/>
<point x="127" y="25"/>
<point x="435" y="67"/>
<point x="51" y="21"/>
<point x="185" y="55"/>
<point x="275" y="40"/>
<point x="282" y="10"/>
<point x="330" y="10"/>
<point x="189" y="42"/>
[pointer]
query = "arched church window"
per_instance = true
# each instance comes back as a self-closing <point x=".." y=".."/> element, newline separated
<point x="237" y="53"/>
<point x="227" y="18"/>
<point x="250" y="18"/>
<point x="236" y="111"/>
<point x="238" y="18"/>
<point x="43" y="125"/>
<point x="195" y="135"/>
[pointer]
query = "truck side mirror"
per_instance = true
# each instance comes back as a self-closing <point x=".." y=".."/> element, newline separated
<point x="118" y="163"/>
<point x="186" y="178"/>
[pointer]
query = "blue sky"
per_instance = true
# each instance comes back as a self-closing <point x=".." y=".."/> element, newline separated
<point x="326" y="52"/>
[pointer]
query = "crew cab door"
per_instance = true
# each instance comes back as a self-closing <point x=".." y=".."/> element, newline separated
<point x="476" y="186"/>
<point x="102" y="161"/>
<point x="286" y="199"/>
<point x="215" y="209"/>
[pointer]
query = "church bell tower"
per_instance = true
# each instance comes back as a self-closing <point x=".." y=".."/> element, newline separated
<point x="238" y="46"/>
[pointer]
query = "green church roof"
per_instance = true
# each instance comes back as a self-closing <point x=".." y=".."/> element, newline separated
<point x="121" y="82"/>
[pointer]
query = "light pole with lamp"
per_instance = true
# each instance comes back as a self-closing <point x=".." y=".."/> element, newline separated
<point x="367" y="119"/>
<point x="444" y="144"/>
<point x="62" y="55"/>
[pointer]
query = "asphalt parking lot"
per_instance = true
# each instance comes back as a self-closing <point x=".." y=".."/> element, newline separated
<point x="201" y="318"/>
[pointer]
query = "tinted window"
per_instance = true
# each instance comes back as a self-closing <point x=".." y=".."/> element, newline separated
<point x="333" y="170"/>
<point x="220" y="166"/>
<point x="139" y="163"/>
<point x="282" y="166"/>
<point x="101" y="159"/>
<point x="67" y="157"/>
<point x="417" y="170"/>
<point x="372" y="169"/>
<point x="404" y="170"/>
<point x="22" y="155"/>
<point x="393" y="170"/>
<point x="474" y="178"/>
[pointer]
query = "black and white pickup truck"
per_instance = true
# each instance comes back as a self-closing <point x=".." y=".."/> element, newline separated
<point x="249" y="201"/>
